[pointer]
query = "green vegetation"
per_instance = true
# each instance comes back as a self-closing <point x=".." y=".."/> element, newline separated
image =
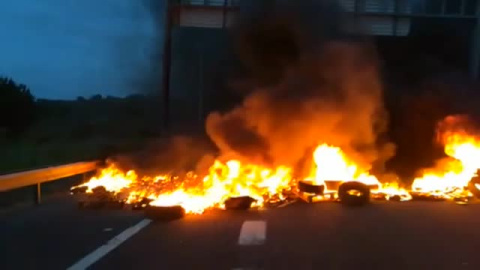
<point x="17" y="107"/>
<point x="37" y="133"/>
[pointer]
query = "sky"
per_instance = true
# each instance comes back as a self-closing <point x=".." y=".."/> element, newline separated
<point x="62" y="49"/>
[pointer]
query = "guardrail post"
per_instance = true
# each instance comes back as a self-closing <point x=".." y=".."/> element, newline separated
<point x="38" y="193"/>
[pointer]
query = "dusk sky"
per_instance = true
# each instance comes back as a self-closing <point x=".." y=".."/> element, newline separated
<point x="62" y="49"/>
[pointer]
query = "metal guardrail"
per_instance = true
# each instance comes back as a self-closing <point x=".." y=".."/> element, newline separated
<point x="39" y="176"/>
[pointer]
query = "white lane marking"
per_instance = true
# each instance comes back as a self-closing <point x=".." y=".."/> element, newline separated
<point x="252" y="233"/>
<point x="109" y="246"/>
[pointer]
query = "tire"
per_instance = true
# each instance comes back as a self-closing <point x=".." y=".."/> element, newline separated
<point x="349" y="199"/>
<point x="164" y="213"/>
<point x="473" y="189"/>
<point x="308" y="187"/>
<point x="332" y="184"/>
<point x="78" y="190"/>
<point x="142" y="204"/>
<point x="239" y="203"/>
<point x="427" y="197"/>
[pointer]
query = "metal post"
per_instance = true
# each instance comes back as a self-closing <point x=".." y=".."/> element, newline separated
<point x="423" y="7"/>
<point x="224" y="22"/>
<point x="475" y="45"/>
<point x="356" y="9"/>
<point x="38" y="193"/>
<point x="200" y="88"/>
<point x="167" y="51"/>
<point x="395" y="17"/>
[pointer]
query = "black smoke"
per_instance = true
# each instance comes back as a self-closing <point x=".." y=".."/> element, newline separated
<point x="312" y="78"/>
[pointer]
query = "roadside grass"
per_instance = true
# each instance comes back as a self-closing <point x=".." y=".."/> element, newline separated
<point x="25" y="155"/>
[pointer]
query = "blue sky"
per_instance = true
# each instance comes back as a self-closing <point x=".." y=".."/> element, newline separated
<point x="63" y="49"/>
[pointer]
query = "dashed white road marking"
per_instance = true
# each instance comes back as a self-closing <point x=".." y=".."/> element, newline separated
<point x="109" y="246"/>
<point x="252" y="233"/>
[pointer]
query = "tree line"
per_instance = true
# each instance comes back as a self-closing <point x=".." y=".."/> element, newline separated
<point x="17" y="107"/>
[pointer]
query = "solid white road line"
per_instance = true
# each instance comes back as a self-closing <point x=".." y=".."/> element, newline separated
<point x="109" y="246"/>
<point x="252" y="233"/>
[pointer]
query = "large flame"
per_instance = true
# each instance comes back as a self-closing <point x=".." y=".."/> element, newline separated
<point x="225" y="180"/>
<point x="232" y="178"/>
<point x="332" y="164"/>
<point x="112" y="179"/>
<point x="450" y="177"/>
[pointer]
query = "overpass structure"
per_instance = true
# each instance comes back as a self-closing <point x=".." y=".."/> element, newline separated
<point x="379" y="17"/>
<point x="197" y="44"/>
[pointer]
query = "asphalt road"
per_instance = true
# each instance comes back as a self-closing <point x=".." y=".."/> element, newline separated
<point x="411" y="235"/>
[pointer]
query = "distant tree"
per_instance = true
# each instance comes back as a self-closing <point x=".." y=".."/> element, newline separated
<point x="135" y="97"/>
<point x="96" y="97"/>
<point x="80" y="98"/>
<point x="17" y="106"/>
<point x="112" y="98"/>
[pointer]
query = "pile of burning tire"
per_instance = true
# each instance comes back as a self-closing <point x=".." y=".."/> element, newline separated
<point x="348" y="193"/>
<point x="100" y="198"/>
<point x="351" y="193"/>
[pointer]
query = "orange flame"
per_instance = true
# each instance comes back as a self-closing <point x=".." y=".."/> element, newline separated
<point x="232" y="179"/>
<point x="112" y="178"/>
<point x="450" y="178"/>
<point x="332" y="164"/>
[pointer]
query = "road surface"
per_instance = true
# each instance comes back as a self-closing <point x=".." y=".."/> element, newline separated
<point x="411" y="235"/>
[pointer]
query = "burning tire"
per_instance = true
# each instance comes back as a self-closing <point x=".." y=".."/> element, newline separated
<point x="141" y="204"/>
<point x="164" y="213"/>
<point x="354" y="194"/>
<point x="239" y="203"/>
<point x="99" y="198"/>
<point x="474" y="186"/>
<point x="308" y="187"/>
<point x="427" y="197"/>
<point x="78" y="190"/>
<point x="333" y="184"/>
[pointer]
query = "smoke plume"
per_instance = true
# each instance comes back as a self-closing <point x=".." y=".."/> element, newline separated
<point x="148" y="79"/>
<point x="311" y="82"/>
